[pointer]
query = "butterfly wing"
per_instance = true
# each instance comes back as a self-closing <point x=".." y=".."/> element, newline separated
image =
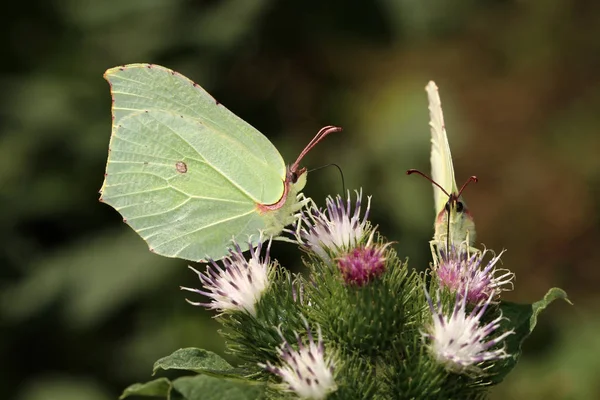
<point x="442" y="170"/>
<point x="184" y="172"/>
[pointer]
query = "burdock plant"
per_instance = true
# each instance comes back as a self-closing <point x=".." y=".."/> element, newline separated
<point x="357" y="325"/>
<point x="188" y="175"/>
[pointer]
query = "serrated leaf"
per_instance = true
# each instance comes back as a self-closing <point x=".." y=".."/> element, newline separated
<point x="196" y="360"/>
<point x="203" y="387"/>
<point x="160" y="387"/>
<point x="522" y="319"/>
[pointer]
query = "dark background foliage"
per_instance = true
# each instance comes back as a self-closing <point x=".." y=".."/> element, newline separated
<point x="85" y="309"/>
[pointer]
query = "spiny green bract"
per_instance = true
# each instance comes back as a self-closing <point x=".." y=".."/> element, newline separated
<point x="254" y="339"/>
<point x="367" y="319"/>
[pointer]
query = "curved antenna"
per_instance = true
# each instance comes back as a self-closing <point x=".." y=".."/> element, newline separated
<point x="471" y="179"/>
<point x="323" y="132"/>
<point x="416" y="171"/>
<point x="338" y="168"/>
<point x="451" y="196"/>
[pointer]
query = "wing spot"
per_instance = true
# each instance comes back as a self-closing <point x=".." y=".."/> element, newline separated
<point x="181" y="167"/>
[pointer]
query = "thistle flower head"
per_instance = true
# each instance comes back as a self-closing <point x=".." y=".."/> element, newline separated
<point x="459" y="341"/>
<point x="307" y="372"/>
<point x="238" y="284"/>
<point x="334" y="229"/>
<point x="363" y="263"/>
<point x="457" y="270"/>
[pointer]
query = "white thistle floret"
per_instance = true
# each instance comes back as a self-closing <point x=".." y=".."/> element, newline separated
<point x="334" y="229"/>
<point x="237" y="285"/>
<point x="307" y="372"/>
<point x="458" y="341"/>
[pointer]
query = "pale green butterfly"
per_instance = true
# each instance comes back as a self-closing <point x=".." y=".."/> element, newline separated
<point x="449" y="204"/>
<point x="187" y="174"/>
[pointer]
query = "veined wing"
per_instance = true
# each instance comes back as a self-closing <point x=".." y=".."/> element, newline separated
<point x="442" y="170"/>
<point x="139" y="88"/>
<point x="184" y="188"/>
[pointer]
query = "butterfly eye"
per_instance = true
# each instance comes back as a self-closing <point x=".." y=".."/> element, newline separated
<point x="447" y="207"/>
<point x="460" y="206"/>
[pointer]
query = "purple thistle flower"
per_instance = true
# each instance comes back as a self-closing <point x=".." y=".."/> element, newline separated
<point x="335" y="229"/>
<point x="363" y="263"/>
<point x="458" y="270"/>
<point x="307" y="372"/>
<point x="458" y="341"/>
<point x="238" y="284"/>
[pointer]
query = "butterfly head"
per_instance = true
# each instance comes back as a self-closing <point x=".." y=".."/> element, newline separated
<point x="455" y="204"/>
<point x="455" y="208"/>
<point x="296" y="178"/>
<point x="454" y="222"/>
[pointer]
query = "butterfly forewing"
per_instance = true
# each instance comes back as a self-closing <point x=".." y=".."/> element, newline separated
<point x="442" y="170"/>
<point x="145" y="87"/>
<point x="184" y="172"/>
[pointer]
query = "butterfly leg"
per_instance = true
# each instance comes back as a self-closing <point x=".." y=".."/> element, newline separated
<point x="435" y="254"/>
<point x="470" y="248"/>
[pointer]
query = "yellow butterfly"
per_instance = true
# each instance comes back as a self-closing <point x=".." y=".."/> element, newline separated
<point x="454" y="223"/>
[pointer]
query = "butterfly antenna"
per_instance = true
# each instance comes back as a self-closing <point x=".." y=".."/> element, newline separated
<point x="323" y="132"/>
<point x="416" y="171"/>
<point x="471" y="179"/>
<point x="338" y="168"/>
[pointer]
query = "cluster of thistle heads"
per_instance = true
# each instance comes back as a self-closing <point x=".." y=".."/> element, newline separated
<point x="359" y="323"/>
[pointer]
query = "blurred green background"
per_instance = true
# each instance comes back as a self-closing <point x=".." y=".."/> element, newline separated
<point x="85" y="309"/>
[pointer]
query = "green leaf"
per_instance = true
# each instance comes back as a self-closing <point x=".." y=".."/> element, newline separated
<point x="522" y="318"/>
<point x="197" y="360"/>
<point x="160" y="387"/>
<point x="210" y="388"/>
